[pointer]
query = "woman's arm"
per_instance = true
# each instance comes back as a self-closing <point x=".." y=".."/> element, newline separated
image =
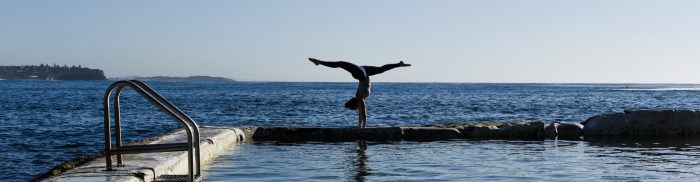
<point x="363" y="113"/>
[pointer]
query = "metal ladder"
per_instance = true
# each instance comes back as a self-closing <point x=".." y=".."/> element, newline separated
<point x="192" y="145"/>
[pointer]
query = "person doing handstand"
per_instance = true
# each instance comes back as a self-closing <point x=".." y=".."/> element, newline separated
<point x="362" y="74"/>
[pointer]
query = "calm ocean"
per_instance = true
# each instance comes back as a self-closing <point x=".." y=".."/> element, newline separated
<point x="44" y="123"/>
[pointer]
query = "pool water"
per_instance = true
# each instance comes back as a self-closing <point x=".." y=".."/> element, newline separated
<point x="461" y="160"/>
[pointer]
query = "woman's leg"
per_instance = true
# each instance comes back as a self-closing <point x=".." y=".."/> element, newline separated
<point x="352" y="68"/>
<point x="373" y="70"/>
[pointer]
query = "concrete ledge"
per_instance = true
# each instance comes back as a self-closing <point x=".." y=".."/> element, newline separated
<point x="429" y="133"/>
<point x="521" y="130"/>
<point x="146" y="167"/>
<point x="323" y="134"/>
<point x="351" y="134"/>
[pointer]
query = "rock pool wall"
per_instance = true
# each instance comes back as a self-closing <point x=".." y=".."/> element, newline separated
<point x="631" y="123"/>
<point x="523" y="130"/>
<point x="644" y="123"/>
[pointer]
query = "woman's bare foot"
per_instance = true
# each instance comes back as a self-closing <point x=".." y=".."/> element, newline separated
<point x="315" y="61"/>
<point x="403" y="64"/>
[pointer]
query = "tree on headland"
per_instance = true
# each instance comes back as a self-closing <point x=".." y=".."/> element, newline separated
<point x="46" y="72"/>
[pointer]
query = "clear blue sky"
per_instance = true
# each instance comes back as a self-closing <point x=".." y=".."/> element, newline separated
<point x="632" y="41"/>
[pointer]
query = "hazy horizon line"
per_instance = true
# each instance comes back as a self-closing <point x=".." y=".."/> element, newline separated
<point x="648" y="83"/>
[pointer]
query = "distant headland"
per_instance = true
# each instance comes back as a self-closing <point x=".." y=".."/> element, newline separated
<point x="65" y="72"/>
<point x="47" y="72"/>
<point x="178" y="79"/>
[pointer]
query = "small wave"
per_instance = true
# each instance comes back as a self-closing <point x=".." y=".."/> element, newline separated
<point x="658" y="89"/>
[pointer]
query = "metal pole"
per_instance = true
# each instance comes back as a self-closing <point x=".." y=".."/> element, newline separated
<point x="117" y="123"/>
<point x="108" y="142"/>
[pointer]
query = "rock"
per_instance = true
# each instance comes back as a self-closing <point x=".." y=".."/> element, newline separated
<point x="644" y="123"/>
<point x="525" y="130"/>
<point x="550" y="131"/>
<point x="605" y="124"/>
<point x="484" y="132"/>
<point x="569" y="131"/>
<point x="435" y="126"/>
<point x="464" y="131"/>
<point x="564" y="130"/>
<point x="429" y="133"/>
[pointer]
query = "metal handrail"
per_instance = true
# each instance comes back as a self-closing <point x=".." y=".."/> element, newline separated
<point x="193" y="124"/>
<point x="165" y="106"/>
<point x="179" y="116"/>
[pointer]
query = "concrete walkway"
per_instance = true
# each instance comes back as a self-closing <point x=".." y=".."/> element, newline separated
<point x="146" y="167"/>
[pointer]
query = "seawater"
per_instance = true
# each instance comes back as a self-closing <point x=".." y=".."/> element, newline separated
<point x="460" y="160"/>
<point x="44" y="123"/>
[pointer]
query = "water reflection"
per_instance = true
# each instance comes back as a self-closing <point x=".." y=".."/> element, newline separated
<point x="358" y="159"/>
<point x="645" y="142"/>
<point x="674" y="156"/>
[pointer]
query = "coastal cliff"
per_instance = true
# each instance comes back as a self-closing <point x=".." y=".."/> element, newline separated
<point x="46" y="72"/>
